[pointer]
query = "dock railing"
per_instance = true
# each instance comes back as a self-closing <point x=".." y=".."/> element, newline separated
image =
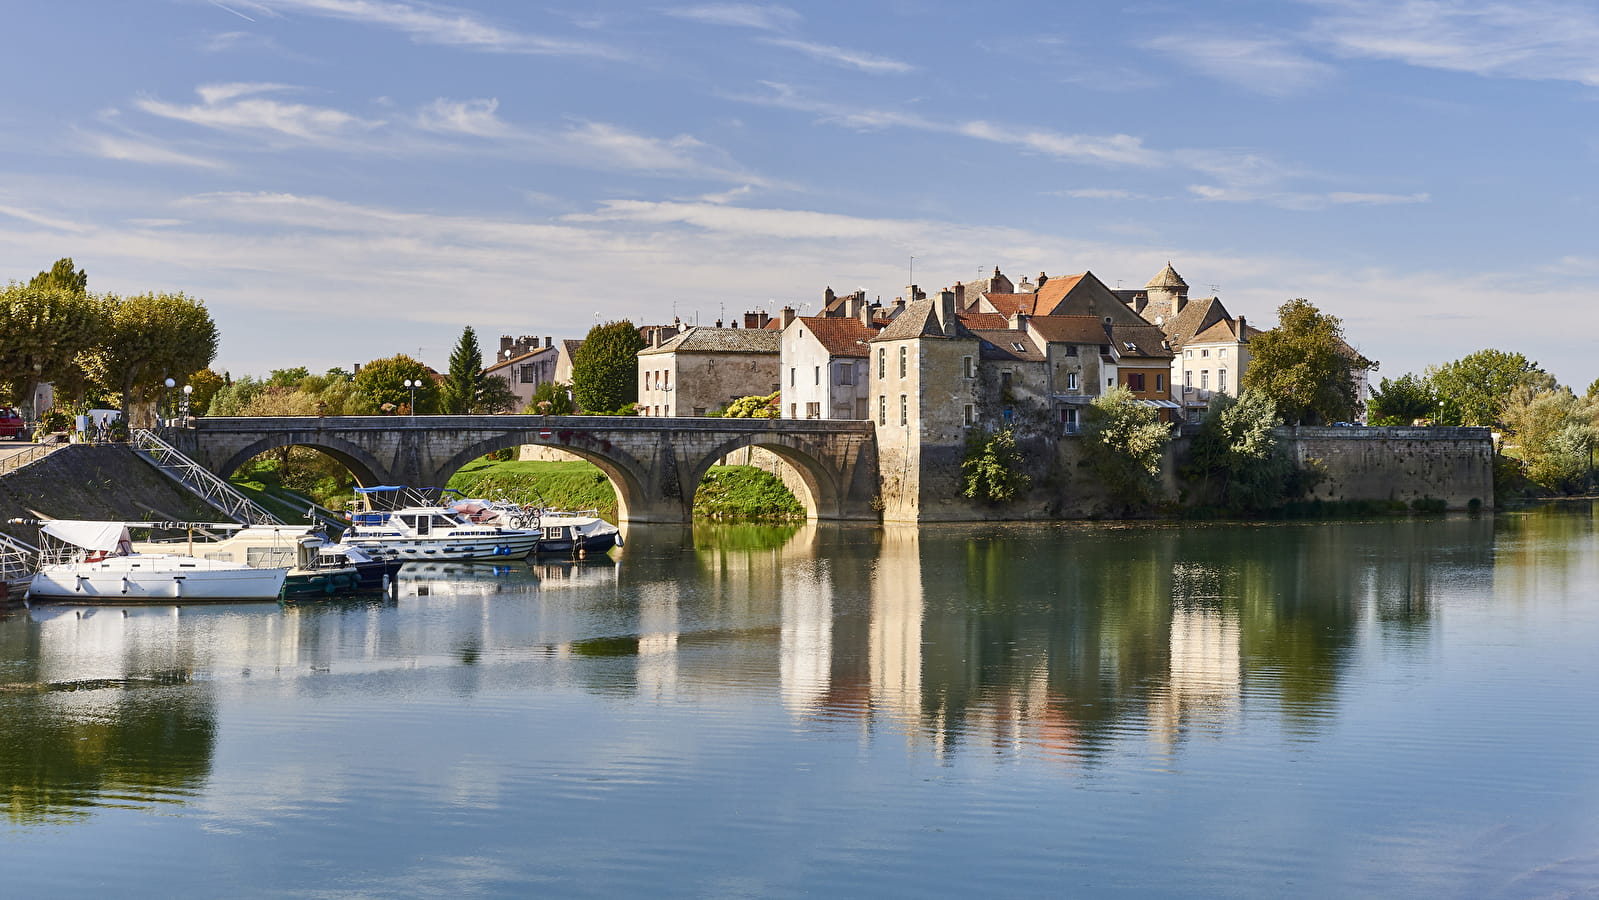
<point x="203" y="482"/>
<point x="18" y="559"/>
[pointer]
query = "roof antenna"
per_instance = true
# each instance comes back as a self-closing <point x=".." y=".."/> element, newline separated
<point x="1215" y="289"/>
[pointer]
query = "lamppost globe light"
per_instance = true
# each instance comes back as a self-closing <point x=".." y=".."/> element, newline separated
<point x="188" y="389"/>
<point x="170" y="383"/>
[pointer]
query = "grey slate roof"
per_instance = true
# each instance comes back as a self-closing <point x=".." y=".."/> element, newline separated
<point x="920" y="319"/>
<point x="721" y="340"/>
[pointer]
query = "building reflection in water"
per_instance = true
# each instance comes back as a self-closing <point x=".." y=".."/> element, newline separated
<point x="895" y="645"/>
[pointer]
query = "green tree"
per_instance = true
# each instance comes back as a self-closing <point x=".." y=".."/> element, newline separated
<point x="462" y="391"/>
<point x="755" y="407"/>
<point x="64" y="276"/>
<point x="993" y="468"/>
<point x="1123" y="440"/>
<point x="206" y="384"/>
<point x="605" y="368"/>
<point x="152" y="337"/>
<point x="558" y="398"/>
<point x="1236" y="461"/>
<point x="1475" y="388"/>
<point x="381" y="383"/>
<point x="1305" y="366"/>
<point x="1554" y="435"/>
<point x="1401" y="401"/>
<point x="45" y="329"/>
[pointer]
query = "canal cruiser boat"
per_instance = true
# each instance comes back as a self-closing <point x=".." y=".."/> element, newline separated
<point x="576" y="533"/>
<point x="570" y="533"/>
<point x="317" y="567"/>
<point x="421" y="528"/>
<point x="94" y="562"/>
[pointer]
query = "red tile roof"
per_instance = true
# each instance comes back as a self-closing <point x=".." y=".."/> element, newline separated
<point x="1069" y="329"/>
<point x="839" y="336"/>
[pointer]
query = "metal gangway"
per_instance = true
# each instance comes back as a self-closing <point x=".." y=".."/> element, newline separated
<point x="201" y="481"/>
<point x="18" y="559"/>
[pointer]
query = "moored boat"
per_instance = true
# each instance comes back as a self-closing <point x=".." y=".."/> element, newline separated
<point x="576" y="533"/>
<point x="94" y="562"/>
<point x="421" y="530"/>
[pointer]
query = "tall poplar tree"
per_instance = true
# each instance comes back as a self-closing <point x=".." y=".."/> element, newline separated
<point x="463" y="388"/>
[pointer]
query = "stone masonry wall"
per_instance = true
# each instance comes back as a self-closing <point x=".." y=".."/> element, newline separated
<point x="1454" y="465"/>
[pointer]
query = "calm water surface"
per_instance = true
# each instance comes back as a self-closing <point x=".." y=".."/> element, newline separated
<point x="1393" y="708"/>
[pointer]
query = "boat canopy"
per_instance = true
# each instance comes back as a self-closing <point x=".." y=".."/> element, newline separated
<point x="380" y="488"/>
<point x="106" y="537"/>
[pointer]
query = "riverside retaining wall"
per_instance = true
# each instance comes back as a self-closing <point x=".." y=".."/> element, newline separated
<point x="1454" y="465"/>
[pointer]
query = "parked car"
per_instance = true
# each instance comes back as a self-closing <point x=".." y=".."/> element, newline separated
<point x="11" y="427"/>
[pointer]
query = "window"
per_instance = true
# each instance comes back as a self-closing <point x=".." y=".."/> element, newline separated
<point x="882" y="409"/>
<point x="1071" y="349"/>
<point x="1004" y="382"/>
<point x="1204" y="379"/>
<point x="904" y="361"/>
<point x="666" y="380"/>
<point x="1071" y="381"/>
<point x="1188" y="354"/>
<point x="1010" y="415"/>
<point x="1135" y="381"/>
<point x="1160" y="382"/>
<point x="966" y="365"/>
<point x="904" y="410"/>
<point x="1222" y="353"/>
<point x="968" y="414"/>
<point x="882" y="363"/>
<point x="1111" y="381"/>
<point x="813" y="410"/>
<point x="1204" y="353"/>
<point x="528" y="374"/>
<point x="1221" y="379"/>
<point x="1017" y="346"/>
<point x="818" y="375"/>
<point x="846" y="373"/>
<point x="1188" y="378"/>
<point x="791" y="376"/>
<point x="793" y="410"/>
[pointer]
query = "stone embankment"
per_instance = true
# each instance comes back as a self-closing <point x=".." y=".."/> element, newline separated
<point x="106" y="481"/>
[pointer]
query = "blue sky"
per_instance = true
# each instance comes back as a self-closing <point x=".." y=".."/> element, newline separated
<point x="346" y="179"/>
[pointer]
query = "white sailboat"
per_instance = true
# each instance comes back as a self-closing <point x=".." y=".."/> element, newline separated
<point x="93" y="562"/>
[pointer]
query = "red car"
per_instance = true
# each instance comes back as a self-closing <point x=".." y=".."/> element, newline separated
<point x="11" y="427"/>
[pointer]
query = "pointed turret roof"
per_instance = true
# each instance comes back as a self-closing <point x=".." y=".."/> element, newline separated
<point x="1168" y="278"/>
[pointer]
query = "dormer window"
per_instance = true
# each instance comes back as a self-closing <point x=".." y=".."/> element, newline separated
<point x="1017" y="345"/>
<point x="1131" y="347"/>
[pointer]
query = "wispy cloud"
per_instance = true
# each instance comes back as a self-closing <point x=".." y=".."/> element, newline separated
<point x="742" y="15"/>
<point x="1099" y="194"/>
<point x="1297" y="200"/>
<point x="435" y="24"/>
<point x="1263" y="65"/>
<point x="139" y="150"/>
<point x="470" y="117"/>
<point x="238" y="108"/>
<point x="839" y="56"/>
<point x="1531" y="39"/>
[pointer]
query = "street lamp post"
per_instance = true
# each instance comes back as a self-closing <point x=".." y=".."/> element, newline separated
<point x="164" y="413"/>
<point x="413" y="384"/>
<point x="183" y="416"/>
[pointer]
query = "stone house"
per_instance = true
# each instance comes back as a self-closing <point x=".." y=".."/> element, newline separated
<point x="704" y="369"/>
<point x="523" y="364"/>
<point x="824" y="364"/>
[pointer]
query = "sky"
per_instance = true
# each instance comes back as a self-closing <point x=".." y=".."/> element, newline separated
<point x="343" y="180"/>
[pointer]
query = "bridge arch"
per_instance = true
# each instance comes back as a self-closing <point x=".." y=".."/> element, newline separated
<point x="626" y="474"/>
<point x="366" y="469"/>
<point x="822" y="497"/>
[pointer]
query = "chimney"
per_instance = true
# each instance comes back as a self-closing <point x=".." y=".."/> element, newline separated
<point x="899" y="305"/>
<point x="866" y="314"/>
<point x="751" y="320"/>
<point x="788" y="316"/>
<point x="946" y="312"/>
<point x="914" y="293"/>
<point x="655" y="337"/>
<point x="549" y="341"/>
<point x="718" y="323"/>
<point x="828" y="297"/>
<point x="505" y="344"/>
<point x="1179" y="300"/>
<point x="960" y="295"/>
<point x="1018" y="321"/>
<point x="1042" y="278"/>
<point x="1243" y="332"/>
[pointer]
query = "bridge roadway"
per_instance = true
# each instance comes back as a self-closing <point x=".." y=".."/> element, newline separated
<point x="655" y="464"/>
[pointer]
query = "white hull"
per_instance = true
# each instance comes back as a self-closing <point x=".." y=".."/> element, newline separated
<point x="147" y="578"/>
<point x="486" y="547"/>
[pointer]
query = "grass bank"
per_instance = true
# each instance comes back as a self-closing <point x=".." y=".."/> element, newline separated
<point x="729" y="493"/>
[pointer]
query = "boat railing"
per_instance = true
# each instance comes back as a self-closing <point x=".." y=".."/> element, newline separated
<point x="202" y="481"/>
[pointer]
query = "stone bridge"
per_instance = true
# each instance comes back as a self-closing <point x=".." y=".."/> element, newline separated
<point x="655" y="464"/>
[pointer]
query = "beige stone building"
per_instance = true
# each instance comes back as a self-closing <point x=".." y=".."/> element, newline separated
<point x="523" y="364"/>
<point x="824" y="365"/>
<point x="704" y="369"/>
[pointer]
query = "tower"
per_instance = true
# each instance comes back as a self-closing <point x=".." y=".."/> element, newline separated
<point x="1168" y="293"/>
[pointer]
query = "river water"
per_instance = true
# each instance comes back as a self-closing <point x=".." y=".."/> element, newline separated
<point x="1388" y="708"/>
